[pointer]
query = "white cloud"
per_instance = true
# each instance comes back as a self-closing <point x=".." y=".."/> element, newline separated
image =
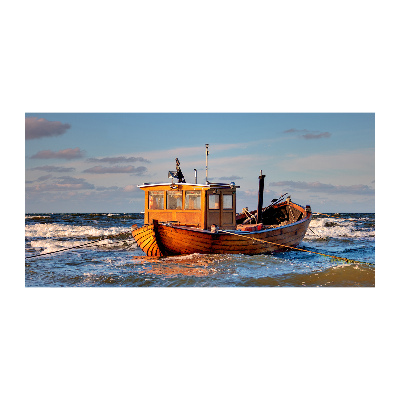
<point x="67" y="154"/>
<point x="36" y="128"/>
<point x="117" y="170"/>
<point x="130" y="188"/>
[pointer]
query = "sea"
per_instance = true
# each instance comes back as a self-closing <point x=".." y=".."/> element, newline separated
<point x="97" y="250"/>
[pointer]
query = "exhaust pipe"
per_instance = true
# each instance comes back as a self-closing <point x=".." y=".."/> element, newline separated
<point x="207" y="162"/>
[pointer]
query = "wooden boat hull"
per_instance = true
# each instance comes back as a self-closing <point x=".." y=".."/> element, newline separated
<point x="146" y="239"/>
<point x="166" y="239"/>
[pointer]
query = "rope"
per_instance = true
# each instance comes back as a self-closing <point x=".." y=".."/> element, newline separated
<point x="81" y="245"/>
<point x="275" y="202"/>
<point x="297" y="248"/>
<point x="249" y="215"/>
<point x="316" y="234"/>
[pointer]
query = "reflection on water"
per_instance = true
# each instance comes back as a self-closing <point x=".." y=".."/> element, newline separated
<point x="259" y="270"/>
<point x="192" y="265"/>
<point x="173" y="270"/>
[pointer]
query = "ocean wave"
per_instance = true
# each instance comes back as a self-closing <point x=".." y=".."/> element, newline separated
<point x="70" y="231"/>
<point x="38" y="217"/>
<point x="340" y="228"/>
<point x="47" y="246"/>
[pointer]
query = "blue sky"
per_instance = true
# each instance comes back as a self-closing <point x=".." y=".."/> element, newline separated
<point x="81" y="162"/>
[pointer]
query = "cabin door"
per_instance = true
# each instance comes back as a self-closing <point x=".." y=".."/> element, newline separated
<point x="213" y="209"/>
<point x="221" y="209"/>
<point x="228" y="207"/>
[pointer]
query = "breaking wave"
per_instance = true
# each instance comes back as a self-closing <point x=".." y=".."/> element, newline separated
<point x="341" y="228"/>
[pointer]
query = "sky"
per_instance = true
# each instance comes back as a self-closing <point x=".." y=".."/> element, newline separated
<point x="93" y="162"/>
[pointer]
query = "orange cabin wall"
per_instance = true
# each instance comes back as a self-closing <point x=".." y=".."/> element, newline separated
<point x="202" y="218"/>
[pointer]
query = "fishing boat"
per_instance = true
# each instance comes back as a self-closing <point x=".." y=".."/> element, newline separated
<point x="187" y="218"/>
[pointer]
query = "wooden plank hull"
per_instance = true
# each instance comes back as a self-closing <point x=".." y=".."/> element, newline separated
<point x="146" y="239"/>
<point x="165" y="240"/>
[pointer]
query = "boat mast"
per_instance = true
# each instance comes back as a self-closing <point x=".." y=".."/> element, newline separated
<point x="260" y="197"/>
<point x="207" y="162"/>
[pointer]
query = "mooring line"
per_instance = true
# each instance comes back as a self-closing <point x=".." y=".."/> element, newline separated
<point x="297" y="248"/>
<point x="316" y="234"/>
<point x="82" y="245"/>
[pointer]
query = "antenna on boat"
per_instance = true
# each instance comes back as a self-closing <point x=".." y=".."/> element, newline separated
<point x="207" y="162"/>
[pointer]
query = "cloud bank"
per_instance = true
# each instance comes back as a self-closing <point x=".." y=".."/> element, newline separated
<point x="228" y="178"/>
<point x="306" y="134"/>
<point x="326" y="188"/>
<point x="44" y="178"/>
<point x="36" y="128"/>
<point x="62" y="184"/>
<point x="67" y="154"/>
<point x="51" y="168"/>
<point x="115" y="160"/>
<point x="117" y="169"/>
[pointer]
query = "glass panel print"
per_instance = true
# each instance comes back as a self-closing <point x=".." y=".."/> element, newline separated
<point x="213" y="201"/>
<point x="192" y="200"/>
<point x="227" y="202"/>
<point x="156" y="200"/>
<point x="174" y="200"/>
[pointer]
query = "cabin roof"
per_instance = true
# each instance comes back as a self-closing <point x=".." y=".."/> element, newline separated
<point x="207" y="185"/>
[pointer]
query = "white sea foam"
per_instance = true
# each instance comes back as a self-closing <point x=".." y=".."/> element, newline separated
<point x="48" y="246"/>
<point x="48" y="236"/>
<point x="45" y="246"/>
<point x="337" y="228"/>
<point x="70" y="231"/>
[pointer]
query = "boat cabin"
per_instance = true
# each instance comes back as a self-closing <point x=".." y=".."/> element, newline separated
<point x="195" y="205"/>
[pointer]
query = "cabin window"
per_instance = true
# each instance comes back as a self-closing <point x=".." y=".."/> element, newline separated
<point x="192" y="200"/>
<point x="227" y="202"/>
<point x="213" y="202"/>
<point x="156" y="200"/>
<point x="174" y="200"/>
